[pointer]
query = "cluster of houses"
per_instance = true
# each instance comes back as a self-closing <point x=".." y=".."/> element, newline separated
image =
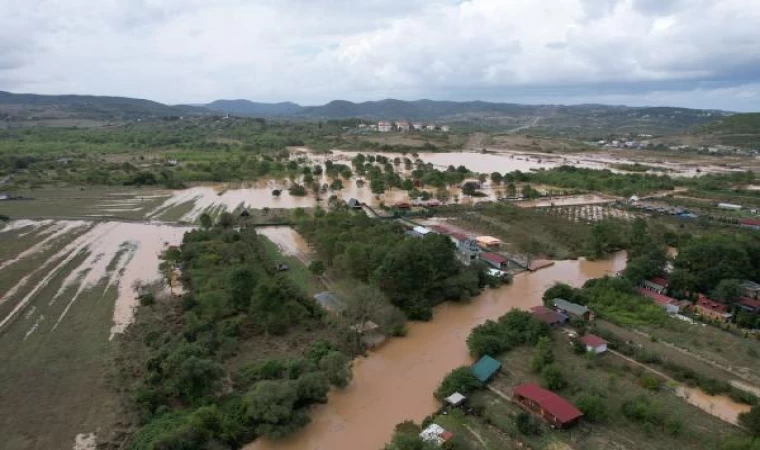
<point x="704" y="307"/>
<point x="403" y="126"/>
<point x="624" y="143"/>
<point x="472" y="248"/>
<point x="661" y="208"/>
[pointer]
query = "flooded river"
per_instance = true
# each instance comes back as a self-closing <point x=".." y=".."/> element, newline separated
<point x="396" y="382"/>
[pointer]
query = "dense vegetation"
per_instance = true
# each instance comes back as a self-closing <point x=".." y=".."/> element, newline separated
<point x="414" y="273"/>
<point x="511" y="330"/>
<point x="186" y="394"/>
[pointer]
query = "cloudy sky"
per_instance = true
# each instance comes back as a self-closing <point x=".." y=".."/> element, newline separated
<point x="694" y="53"/>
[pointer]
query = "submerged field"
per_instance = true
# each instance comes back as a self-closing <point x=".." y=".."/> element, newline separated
<point x="66" y="289"/>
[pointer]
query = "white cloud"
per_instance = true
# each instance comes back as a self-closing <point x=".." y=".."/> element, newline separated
<point x="312" y="51"/>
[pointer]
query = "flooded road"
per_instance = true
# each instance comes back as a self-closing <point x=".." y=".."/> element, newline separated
<point x="719" y="406"/>
<point x="396" y="382"/>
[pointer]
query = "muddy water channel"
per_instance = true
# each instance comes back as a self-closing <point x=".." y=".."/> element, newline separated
<point x="396" y="382"/>
<point x="719" y="406"/>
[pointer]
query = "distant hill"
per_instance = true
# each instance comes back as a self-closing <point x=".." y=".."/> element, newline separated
<point x="583" y="120"/>
<point x="89" y="107"/>
<point x="739" y="130"/>
<point x="577" y="118"/>
<point x="249" y="108"/>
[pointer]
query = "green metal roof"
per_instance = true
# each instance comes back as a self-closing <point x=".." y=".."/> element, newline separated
<point x="485" y="368"/>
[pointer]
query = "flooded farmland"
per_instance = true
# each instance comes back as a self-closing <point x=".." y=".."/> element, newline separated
<point x="396" y="382"/>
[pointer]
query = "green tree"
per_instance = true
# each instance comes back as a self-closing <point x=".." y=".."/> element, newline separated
<point x="242" y="283"/>
<point x="317" y="268"/>
<point x="553" y="378"/>
<point x="226" y="220"/>
<point x="544" y="354"/>
<point x="727" y="291"/>
<point x="751" y="421"/>
<point x="205" y="220"/>
<point x="271" y="405"/>
<point x="496" y="178"/>
<point x="511" y="190"/>
<point x="527" y="425"/>
<point x="196" y="378"/>
<point x="594" y="408"/>
<point x="459" y="380"/>
<point x="377" y="185"/>
<point x="336" y="185"/>
<point x="337" y="368"/>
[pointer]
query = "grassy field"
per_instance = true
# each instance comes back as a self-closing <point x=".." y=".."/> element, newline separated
<point x="614" y="381"/>
<point x="53" y="382"/>
<point x="704" y="348"/>
<point x="85" y="202"/>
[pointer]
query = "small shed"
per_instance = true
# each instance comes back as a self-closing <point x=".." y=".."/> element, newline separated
<point x="354" y="204"/>
<point x="330" y="302"/>
<point x="455" y="399"/>
<point x="594" y="343"/>
<point x="572" y="309"/>
<point x="486" y="368"/>
<point x="245" y="213"/>
<point x="421" y="231"/>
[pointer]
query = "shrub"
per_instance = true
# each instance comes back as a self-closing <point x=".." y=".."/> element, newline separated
<point x="553" y="378"/>
<point x="594" y="407"/>
<point x="527" y="425"/>
<point x="649" y="381"/>
<point x="459" y="380"/>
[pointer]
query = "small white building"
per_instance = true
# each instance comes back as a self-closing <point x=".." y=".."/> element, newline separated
<point x="445" y="128"/>
<point x="384" y="127"/>
<point x="730" y="206"/>
<point x="402" y="126"/>
<point x="430" y="127"/>
<point x="436" y="434"/>
<point x="594" y="343"/>
<point x="417" y="126"/>
<point x="421" y="231"/>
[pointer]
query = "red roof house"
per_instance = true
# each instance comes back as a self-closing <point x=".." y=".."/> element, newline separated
<point x="711" y="309"/>
<point x="495" y="260"/>
<point x="594" y="343"/>
<point x="550" y="406"/>
<point x="661" y="281"/>
<point x="440" y="229"/>
<point x="749" y="303"/>
<point x="670" y="304"/>
<point x="751" y="223"/>
<point x="548" y="315"/>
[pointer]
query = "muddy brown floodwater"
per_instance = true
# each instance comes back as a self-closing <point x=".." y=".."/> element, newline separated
<point x="396" y="382"/>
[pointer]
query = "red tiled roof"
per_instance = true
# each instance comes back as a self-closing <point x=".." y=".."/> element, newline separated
<point x="440" y="229"/>
<point x="711" y="304"/>
<point x="552" y="403"/>
<point x="751" y="222"/>
<point x="660" y="280"/>
<point x="658" y="298"/>
<point x="493" y="257"/>
<point x="592" y="340"/>
<point x="751" y="302"/>
<point x="446" y="435"/>
<point x="547" y="315"/>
